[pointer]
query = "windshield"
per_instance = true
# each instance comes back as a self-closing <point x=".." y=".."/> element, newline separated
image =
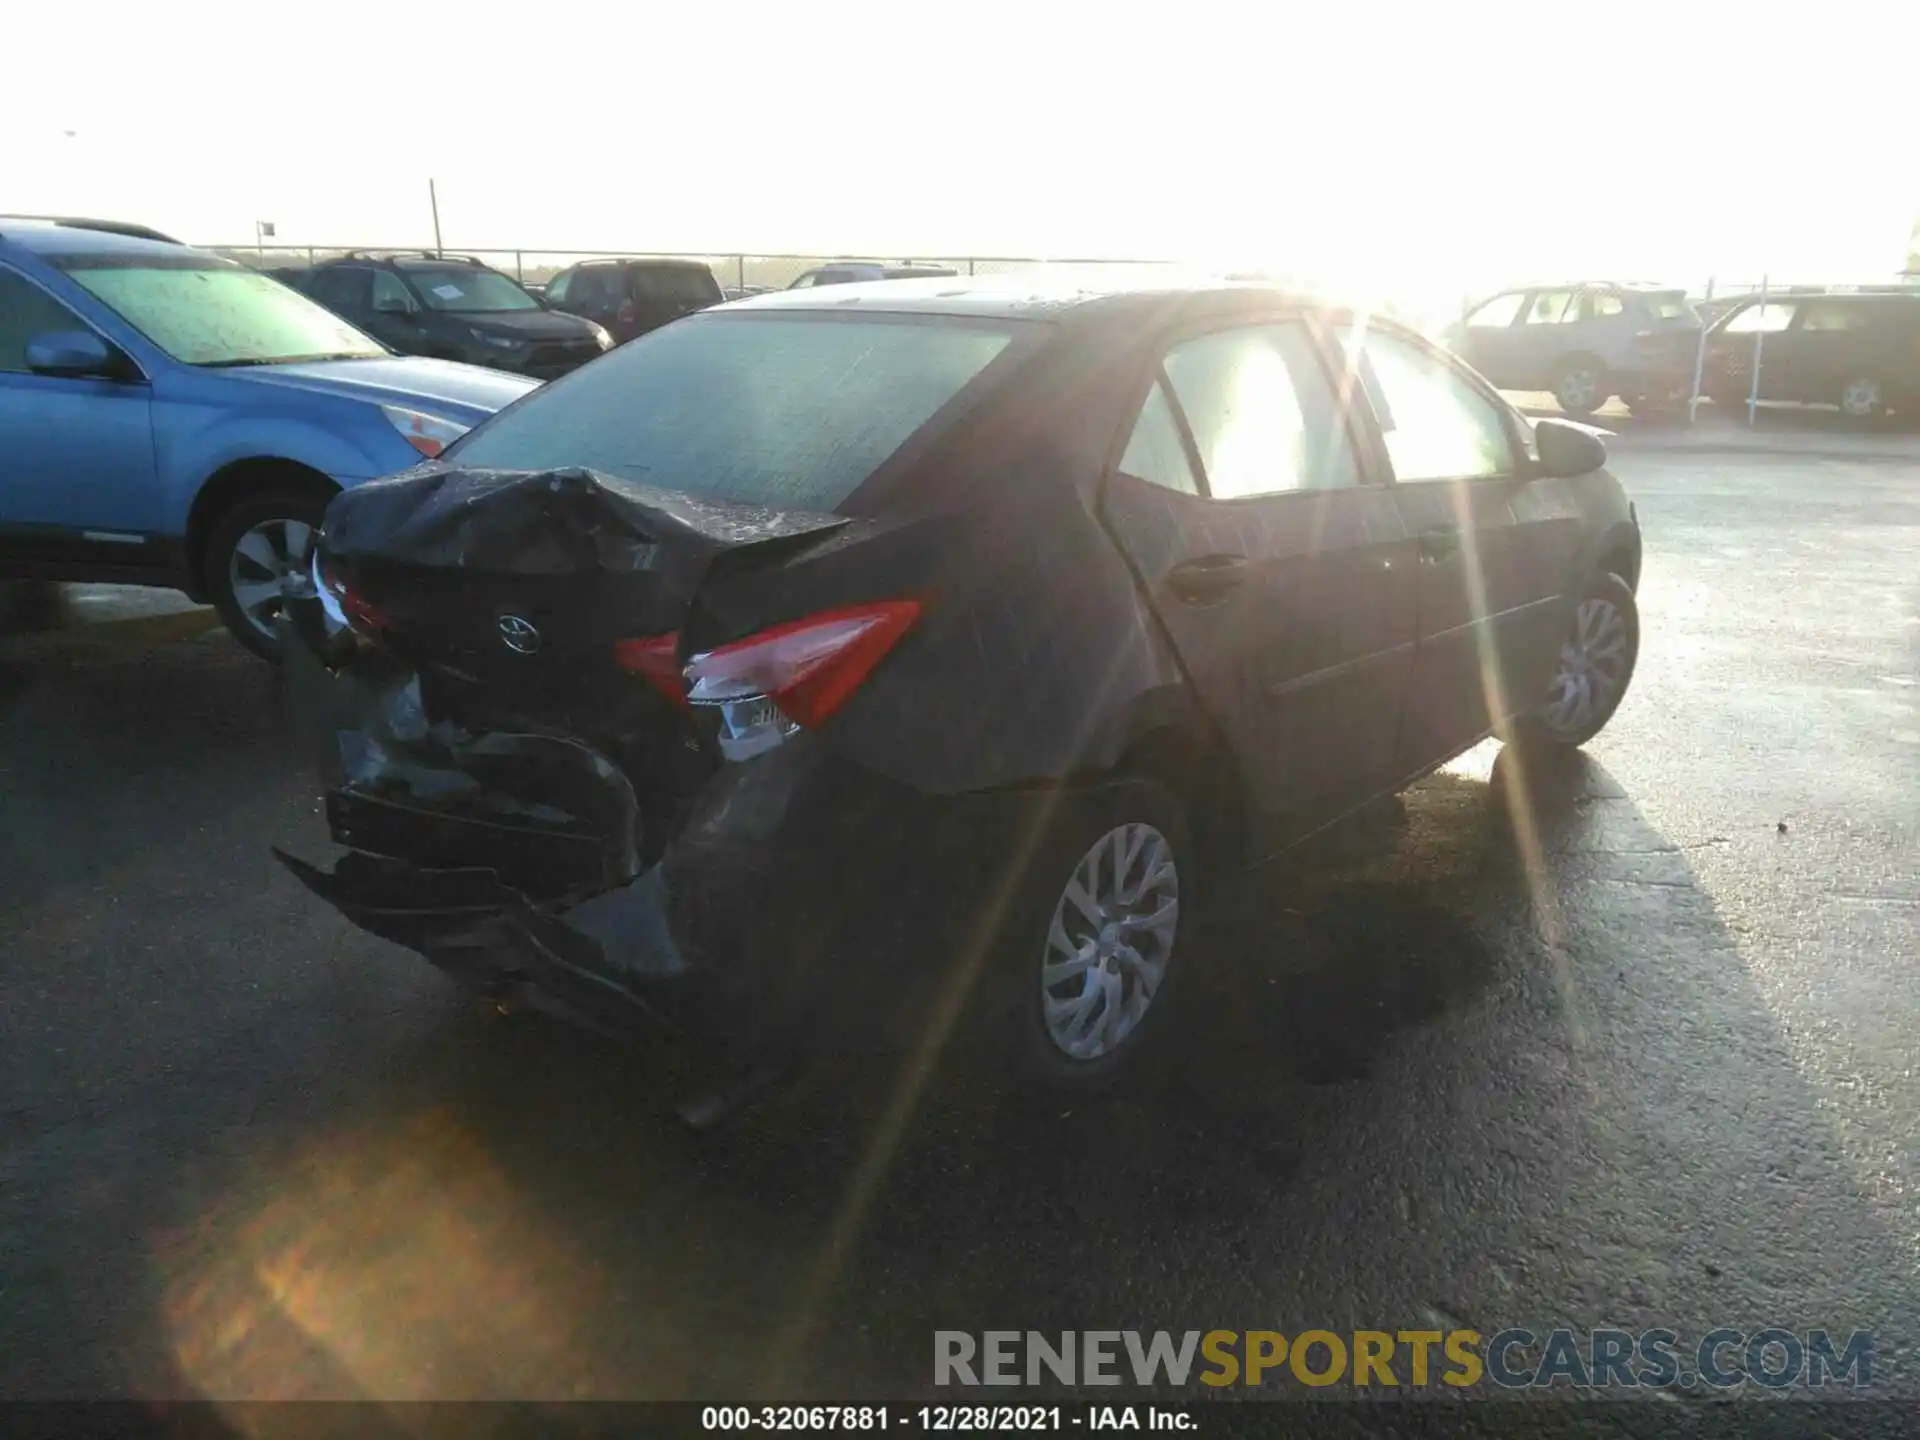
<point x="209" y="312"/>
<point x="813" y="405"/>
<point x="467" y="291"/>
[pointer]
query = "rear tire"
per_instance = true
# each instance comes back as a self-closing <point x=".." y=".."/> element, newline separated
<point x="1093" y="946"/>
<point x="1594" y="669"/>
<point x="260" y="538"/>
<point x="1863" y="398"/>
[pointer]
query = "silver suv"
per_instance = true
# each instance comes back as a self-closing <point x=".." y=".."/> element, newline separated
<point x="1585" y="343"/>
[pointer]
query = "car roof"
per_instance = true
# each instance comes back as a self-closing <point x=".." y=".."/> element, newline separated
<point x="50" y="240"/>
<point x="1040" y="293"/>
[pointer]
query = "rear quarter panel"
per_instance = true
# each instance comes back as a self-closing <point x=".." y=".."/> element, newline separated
<point x="1036" y="658"/>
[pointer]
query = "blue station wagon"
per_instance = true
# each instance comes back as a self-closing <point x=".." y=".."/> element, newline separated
<point x="168" y="417"/>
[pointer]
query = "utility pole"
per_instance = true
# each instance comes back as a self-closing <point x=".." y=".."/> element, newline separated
<point x="433" y="198"/>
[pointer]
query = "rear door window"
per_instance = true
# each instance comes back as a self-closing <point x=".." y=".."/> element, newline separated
<point x="814" y="405"/>
<point x="1261" y="412"/>
<point x="1554" y="307"/>
<point x="1156" y="451"/>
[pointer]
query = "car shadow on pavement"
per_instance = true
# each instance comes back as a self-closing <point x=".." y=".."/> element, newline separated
<point x="1504" y="1064"/>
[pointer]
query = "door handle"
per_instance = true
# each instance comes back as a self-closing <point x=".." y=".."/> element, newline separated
<point x="1209" y="577"/>
<point x="1439" y="545"/>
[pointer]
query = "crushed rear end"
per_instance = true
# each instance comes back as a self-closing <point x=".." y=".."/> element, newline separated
<point x="492" y="668"/>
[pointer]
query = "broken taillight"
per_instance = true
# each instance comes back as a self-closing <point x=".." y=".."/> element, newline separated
<point x="655" y="659"/>
<point x="344" y="605"/>
<point x="793" y="676"/>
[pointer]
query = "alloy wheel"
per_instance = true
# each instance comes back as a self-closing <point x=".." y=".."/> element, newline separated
<point x="1861" y="398"/>
<point x="1109" y="941"/>
<point x="1578" y="391"/>
<point x="262" y="559"/>
<point x="1593" y="668"/>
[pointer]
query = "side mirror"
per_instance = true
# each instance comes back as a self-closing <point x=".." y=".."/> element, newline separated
<point x="388" y="305"/>
<point x="76" y="354"/>
<point x="1567" y="449"/>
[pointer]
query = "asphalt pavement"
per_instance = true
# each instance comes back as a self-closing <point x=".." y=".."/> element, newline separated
<point x="1627" y="1041"/>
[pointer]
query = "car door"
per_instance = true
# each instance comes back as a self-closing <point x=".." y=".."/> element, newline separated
<point x="1495" y="542"/>
<point x="392" y="313"/>
<point x="595" y="295"/>
<point x="1543" y="338"/>
<point x="1283" y="576"/>
<point x="1607" y="327"/>
<point x="558" y="291"/>
<point x="1489" y="336"/>
<point x="1829" y="344"/>
<point x="78" y="480"/>
<point x="346" y="291"/>
<point x="1755" y="334"/>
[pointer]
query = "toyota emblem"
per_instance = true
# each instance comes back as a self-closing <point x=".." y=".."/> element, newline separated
<point x="519" y="635"/>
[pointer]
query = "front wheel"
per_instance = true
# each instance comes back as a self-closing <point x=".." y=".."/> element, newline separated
<point x="1594" y="669"/>
<point x="1092" y="945"/>
<point x="251" y="549"/>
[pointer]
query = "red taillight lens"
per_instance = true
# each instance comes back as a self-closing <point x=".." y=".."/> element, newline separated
<point x="808" y="667"/>
<point x="358" y="612"/>
<point x="657" y="660"/>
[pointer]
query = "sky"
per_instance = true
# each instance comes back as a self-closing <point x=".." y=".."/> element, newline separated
<point x="1396" y="148"/>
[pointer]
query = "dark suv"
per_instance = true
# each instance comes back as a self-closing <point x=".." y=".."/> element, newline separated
<point x="1859" y="351"/>
<point x="631" y="297"/>
<point x="455" y="308"/>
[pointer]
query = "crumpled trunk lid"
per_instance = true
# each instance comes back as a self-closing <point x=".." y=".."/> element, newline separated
<point x="527" y="580"/>
<point x="488" y="723"/>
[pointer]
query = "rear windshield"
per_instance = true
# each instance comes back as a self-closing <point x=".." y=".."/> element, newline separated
<point x="675" y="282"/>
<point x="786" y="412"/>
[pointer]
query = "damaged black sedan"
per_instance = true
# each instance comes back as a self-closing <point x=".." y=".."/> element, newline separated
<point x="899" y="662"/>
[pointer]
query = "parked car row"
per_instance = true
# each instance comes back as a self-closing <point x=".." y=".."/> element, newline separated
<point x="1586" y="343"/>
<point x="454" y="307"/>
